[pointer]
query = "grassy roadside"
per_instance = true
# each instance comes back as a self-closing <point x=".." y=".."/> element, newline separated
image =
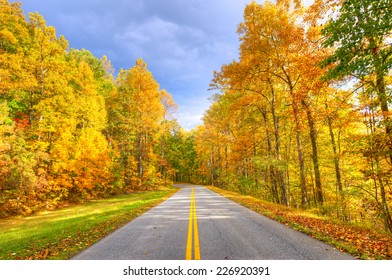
<point x="60" y="234"/>
<point x="359" y="242"/>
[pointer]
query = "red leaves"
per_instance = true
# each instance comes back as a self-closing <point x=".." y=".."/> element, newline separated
<point x="21" y="121"/>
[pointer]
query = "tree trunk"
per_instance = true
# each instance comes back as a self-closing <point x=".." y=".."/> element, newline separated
<point x="382" y="95"/>
<point x="280" y="173"/>
<point x="385" y="210"/>
<point x="335" y="155"/>
<point x="313" y="139"/>
<point x="140" y="158"/>
<point x="271" y="169"/>
<point x="301" y="161"/>
<point x="162" y="166"/>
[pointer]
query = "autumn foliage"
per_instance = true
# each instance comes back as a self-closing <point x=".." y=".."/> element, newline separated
<point x="302" y="117"/>
<point x="69" y="130"/>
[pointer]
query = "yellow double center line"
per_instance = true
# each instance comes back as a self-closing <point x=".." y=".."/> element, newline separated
<point x="193" y="231"/>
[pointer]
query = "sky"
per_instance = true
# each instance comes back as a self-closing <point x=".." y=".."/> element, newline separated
<point x="182" y="41"/>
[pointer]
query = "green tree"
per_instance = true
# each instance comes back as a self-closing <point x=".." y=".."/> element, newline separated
<point x="361" y="34"/>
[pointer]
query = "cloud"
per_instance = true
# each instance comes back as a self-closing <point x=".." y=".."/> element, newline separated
<point x="153" y="28"/>
<point x="192" y="116"/>
<point x="160" y="40"/>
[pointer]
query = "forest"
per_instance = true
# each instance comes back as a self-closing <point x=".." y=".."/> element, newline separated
<point x="301" y="118"/>
<point x="69" y="130"/>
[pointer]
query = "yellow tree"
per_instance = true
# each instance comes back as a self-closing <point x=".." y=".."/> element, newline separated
<point x="51" y="106"/>
<point x="14" y="40"/>
<point x="139" y="112"/>
<point x="55" y="140"/>
<point x="285" y="52"/>
<point x="167" y="125"/>
<point x="270" y="43"/>
<point x="89" y="161"/>
<point x="212" y="143"/>
<point x="278" y="66"/>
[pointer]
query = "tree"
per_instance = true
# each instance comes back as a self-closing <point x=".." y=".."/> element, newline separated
<point x="139" y="109"/>
<point x="361" y="34"/>
<point x="68" y="130"/>
<point x="14" y="39"/>
<point x="275" y="52"/>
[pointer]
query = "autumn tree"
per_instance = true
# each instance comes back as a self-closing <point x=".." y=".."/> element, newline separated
<point x="274" y="61"/>
<point x="281" y="125"/>
<point x="69" y="130"/>
<point x="139" y="110"/>
<point x="14" y="39"/>
<point x="360" y="34"/>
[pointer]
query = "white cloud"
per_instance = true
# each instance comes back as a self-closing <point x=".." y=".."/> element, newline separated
<point x="153" y="29"/>
<point x="190" y="119"/>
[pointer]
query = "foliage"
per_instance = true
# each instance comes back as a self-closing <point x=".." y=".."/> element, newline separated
<point x="287" y="130"/>
<point x="359" y="34"/>
<point x="301" y="118"/>
<point x="69" y="130"/>
<point x="136" y="126"/>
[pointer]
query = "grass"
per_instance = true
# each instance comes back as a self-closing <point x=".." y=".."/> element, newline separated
<point x="60" y="234"/>
<point x="363" y="243"/>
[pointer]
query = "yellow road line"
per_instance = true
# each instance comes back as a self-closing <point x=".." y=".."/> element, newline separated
<point x="189" y="241"/>
<point x="193" y="230"/>
<point x="196" y="230"/>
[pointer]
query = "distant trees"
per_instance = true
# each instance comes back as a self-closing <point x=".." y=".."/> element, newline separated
<point x="69" y="130"/>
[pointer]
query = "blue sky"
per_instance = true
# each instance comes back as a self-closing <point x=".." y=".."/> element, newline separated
<point x="182" y="41"/>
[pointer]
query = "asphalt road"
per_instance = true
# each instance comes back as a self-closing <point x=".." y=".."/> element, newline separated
<point x="201" y="224"/>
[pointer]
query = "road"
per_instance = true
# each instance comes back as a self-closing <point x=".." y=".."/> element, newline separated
<point x="197" y="223"/>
